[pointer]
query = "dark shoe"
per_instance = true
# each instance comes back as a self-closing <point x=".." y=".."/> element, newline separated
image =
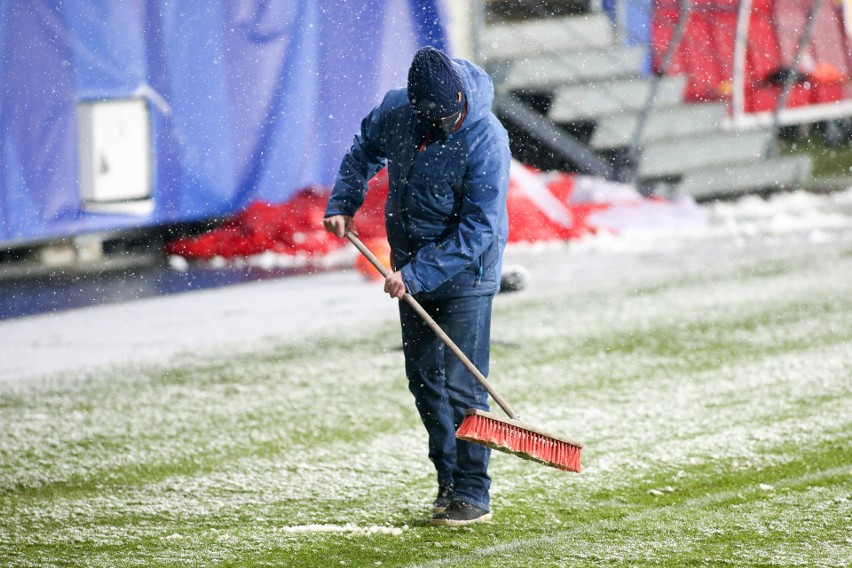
<point x="445" y="496"/>
<point x="459" y="513"/>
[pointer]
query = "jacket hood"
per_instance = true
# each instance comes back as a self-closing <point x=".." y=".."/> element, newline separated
<point x="478" y="88"/>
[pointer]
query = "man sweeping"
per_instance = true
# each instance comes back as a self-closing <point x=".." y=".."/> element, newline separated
<point x="448" y="167"/>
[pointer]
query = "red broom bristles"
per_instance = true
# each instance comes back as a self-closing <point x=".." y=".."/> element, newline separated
<point x="513" y="437"/>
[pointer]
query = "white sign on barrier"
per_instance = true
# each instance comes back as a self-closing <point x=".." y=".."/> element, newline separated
<point x="114" y="142"/>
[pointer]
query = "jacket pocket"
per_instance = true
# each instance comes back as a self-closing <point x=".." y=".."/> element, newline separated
<point x="485" y="267"/>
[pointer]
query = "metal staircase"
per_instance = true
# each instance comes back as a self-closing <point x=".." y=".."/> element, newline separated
<point x="574" y="72"/>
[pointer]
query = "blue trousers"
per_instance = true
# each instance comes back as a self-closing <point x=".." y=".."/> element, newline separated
<point x="444" y="389"/>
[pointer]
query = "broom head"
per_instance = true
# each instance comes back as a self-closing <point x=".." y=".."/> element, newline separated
<point x="514" y="437"/>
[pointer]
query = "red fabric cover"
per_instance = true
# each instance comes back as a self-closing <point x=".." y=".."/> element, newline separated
<point x="289" y="228"/>
<point x="763" y="54"/>
<point x="370" y="219"/>
<point x="827" y="44"/>
<point x="529" y="221"/>
<point x="541" y="207"/>
<point x="706" y="51"/>
<point x="706" y="48"/>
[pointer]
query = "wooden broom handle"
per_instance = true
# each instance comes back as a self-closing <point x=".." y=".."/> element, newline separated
<point x="436" y="328"/>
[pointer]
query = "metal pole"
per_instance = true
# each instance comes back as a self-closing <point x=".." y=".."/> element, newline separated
<point x="738" y="79"/>
<point x="804" y="40"/>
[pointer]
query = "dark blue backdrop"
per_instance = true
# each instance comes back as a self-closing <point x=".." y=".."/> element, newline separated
<point x="249" y="99"/>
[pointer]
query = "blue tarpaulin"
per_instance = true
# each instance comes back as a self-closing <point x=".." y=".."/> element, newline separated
<point x="249" y="99"/>
<point x="633" y="18"/>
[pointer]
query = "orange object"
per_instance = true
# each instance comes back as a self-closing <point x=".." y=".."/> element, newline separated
<point x="524" y="441"/>
<point x="826" y="73"/>
<point x="381" y="249"/>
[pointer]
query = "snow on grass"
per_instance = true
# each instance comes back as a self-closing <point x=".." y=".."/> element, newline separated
<point x="728" y="521"/>
<point x="704" y="362"/>
<point x="353" y="530"/>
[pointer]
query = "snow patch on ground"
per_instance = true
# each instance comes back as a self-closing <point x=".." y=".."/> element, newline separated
<point x="350" y="529"/>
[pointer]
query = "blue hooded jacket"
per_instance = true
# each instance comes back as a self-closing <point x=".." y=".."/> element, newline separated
<point x="445" y="213"/>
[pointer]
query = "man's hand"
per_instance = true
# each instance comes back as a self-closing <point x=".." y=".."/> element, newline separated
<point x="339" y="224"/>
<point x="394" y="285"/>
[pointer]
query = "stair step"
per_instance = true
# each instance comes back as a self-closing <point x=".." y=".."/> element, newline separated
<point x="542" y="144"/>
<point x="520" y="10"/>
<point x="674" y="157"/>
<point x="589" y="100"/>
<point x="680" y="121"/>
<point x="513" y="40"/>
<point x="789" y="172"/>
<point x="549" y="72"/>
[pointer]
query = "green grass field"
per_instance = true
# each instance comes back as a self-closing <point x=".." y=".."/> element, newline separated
<point x="710" y="381"/>
<point x="828" y="160"/>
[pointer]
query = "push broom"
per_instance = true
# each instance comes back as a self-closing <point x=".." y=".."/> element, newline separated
<point x="508" y="435"/>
